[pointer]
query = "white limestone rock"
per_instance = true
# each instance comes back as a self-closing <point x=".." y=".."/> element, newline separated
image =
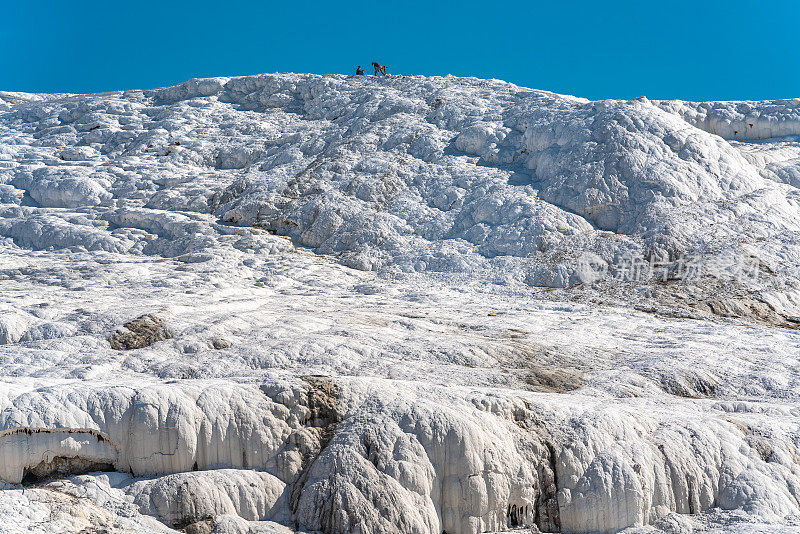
<point x="487" y="367"/>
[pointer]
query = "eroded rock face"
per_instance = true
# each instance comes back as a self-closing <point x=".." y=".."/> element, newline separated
<point x="431" y="389"/>
<point x="62" y="467"/>
<point x="379" y="456"/>
<point x="185" y="499"/>
<point x="323" y="415"/>
<point x="34" y="454"/>
<point x="140" y="333"/>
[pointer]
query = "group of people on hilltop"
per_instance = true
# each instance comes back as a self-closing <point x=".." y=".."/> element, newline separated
<point x="379" y="69"/>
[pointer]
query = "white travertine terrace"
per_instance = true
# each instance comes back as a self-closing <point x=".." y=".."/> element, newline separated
<point x="393" y="305"/>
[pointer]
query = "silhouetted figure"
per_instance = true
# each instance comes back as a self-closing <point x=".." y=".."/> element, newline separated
<point x="359" y="71"/>
<point x="379" y="69"/>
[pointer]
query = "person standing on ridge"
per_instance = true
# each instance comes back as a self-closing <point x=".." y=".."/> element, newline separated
<point x="359" y="71"/>
<point x="379" y="68"/>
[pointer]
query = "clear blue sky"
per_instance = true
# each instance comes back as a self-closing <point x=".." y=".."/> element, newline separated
<point x="695" y="50"/>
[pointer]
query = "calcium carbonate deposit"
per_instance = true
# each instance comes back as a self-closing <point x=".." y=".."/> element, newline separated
<point x="292" y="302"/>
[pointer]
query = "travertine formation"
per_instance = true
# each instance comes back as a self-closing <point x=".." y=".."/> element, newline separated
<point x="351" y="304"/>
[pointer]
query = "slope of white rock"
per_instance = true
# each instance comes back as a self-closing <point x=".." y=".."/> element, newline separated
<point x="397" y="305"/>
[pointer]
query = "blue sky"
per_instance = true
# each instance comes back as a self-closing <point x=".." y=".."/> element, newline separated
<point x="696" y="50"/>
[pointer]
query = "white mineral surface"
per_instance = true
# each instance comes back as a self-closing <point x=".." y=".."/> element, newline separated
<point x="295" y="302"/>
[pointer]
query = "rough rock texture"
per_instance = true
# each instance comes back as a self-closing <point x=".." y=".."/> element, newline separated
<point x="187" y="499"/>
<point x="397" y="305"/>
<point x="37" y="453"/>
<point x="140" y="333"/>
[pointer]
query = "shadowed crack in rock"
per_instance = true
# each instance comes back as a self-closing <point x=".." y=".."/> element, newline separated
<point x="322" y="398"/>
<point x="541" y="450"/>
<point x="62" y="467"/>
